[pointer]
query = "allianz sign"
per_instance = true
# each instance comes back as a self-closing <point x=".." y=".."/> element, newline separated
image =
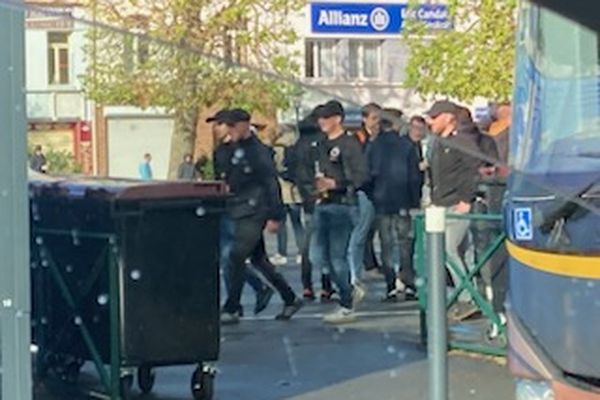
<point x="374" y="18"/>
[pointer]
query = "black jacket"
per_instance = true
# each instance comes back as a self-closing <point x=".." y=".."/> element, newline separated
<point x="249" y="170"/>
<point x="305" y="155"/>
<point x="395" y="179"/>
<point x="342" y="159"/>
<point x="455" y="168"/>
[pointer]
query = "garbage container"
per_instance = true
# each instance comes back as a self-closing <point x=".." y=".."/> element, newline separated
<point x="125" y="274"/>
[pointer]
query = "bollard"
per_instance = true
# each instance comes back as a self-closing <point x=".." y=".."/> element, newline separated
<point x="435" y="224"/>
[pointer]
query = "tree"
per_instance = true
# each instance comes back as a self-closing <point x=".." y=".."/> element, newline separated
<point x="186" y="55"/>
<point x="476" y="58"/>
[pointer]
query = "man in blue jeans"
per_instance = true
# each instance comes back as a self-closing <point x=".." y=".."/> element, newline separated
<point x="361" y="240"/>
<point x="340" y="170"/>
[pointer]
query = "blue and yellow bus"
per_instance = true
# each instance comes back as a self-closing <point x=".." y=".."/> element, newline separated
<point x="553" y="203"/>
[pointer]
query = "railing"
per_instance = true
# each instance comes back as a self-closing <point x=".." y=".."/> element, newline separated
<point x="481" y="343"/>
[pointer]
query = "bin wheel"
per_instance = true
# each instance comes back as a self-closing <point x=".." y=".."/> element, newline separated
<point x="126" y="384"/>
<point x="203" y="384"/>
<point x="146" y="379"/>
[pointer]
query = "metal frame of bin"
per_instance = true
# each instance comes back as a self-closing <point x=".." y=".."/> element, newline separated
<point x="465" y="283"/>
<point x="112" y="381"/>
<point x="118" y="380"/>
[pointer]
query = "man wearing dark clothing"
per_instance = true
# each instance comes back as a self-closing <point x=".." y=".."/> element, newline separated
<point x="256" y="205"/>
<point x="454" y="174"/>
<point x="221" y="161"/>
<point x="303" y="156"/>
<point x="38" y="161"/>
<point x="187" y="169"/>
<point x="339" y="171"/>
<point x="396" y="182"/>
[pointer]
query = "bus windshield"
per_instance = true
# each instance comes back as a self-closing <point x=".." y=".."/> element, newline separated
<point x="556" y="119"/>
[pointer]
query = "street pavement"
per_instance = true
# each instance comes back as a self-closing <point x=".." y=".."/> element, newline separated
<point x="378" y="357"/>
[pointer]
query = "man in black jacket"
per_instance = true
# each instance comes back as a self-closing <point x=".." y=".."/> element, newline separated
<point x="221" y="161"/>
<point x="454" y="176"/>
<point x="340" y="170"/>
<point x="256" y="205"/>
<point x="396" y="182"/>
<point x="305" y="153"/>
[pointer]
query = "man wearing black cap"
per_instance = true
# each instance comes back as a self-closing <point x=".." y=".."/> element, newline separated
<point x="454" y="175"/>
<point x="256" y="205"/>
<point x="340" y="170"/>
<point x="221" y="162"/>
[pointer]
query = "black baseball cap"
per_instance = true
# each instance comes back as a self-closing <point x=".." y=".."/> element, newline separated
<point x="330" y="109"/>
<point x="234" y="116"/>
<point x="217" y="117"/>
<point x="442" y="107"/>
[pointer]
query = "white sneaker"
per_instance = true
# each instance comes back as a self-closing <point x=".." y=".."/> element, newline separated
<point x="340" y="316"/>
<point x="299" y="259"/>
<point x="400" y="286"/>
<point x="358" y="293"/>
<point x="278" y="260"/>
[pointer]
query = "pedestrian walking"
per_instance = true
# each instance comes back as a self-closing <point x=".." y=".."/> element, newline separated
<point x="454" y="174"/>
<point x="396" y="183"/>
<point x="292" y="201"/>
<point x="256" y="205"/>
<point x="361" y="250"/>
<point x="221" y="161"/>
<point x="38" y="161"/>
<point x="304" y="155"/>
<point x="145" y="168"/>
<point x="340" y="171"/>
<point x="187" y="169"/>
<point x="495" y="272"/>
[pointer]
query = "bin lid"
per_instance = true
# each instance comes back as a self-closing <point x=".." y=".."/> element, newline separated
<point x="126" y="189"/>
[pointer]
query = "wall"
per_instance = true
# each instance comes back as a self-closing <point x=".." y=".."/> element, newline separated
<point x="130" y="135"/>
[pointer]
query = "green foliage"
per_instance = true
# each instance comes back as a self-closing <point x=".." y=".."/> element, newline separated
<point x="476" y="58"/>
<point x="183" y="54"/>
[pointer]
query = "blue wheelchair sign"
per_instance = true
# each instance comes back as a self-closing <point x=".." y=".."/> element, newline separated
<point x="523" y="223"/>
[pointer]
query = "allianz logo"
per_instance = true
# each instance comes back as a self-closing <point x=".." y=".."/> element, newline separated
<point x="378" y="18"/>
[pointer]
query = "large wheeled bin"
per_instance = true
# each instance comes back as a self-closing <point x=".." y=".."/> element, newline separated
<point x="125" y="275"/>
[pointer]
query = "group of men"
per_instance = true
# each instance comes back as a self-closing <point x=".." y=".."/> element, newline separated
<point x="352" y="185"/>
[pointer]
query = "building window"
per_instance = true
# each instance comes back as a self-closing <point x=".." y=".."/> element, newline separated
<point x="320" y="58"/>
<point x="136" y="51"/>
<point x="364" y="59"/>
<point x="58" y="58"/>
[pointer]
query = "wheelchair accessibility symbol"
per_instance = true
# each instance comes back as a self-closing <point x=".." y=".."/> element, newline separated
<point x="523" y="223"/>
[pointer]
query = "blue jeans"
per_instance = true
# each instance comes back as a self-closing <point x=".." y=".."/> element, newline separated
<point x="295" y="213"/>
<point x="363" y="219"/>
<point x="226" y="240"/>
<point x="332" y="224"/>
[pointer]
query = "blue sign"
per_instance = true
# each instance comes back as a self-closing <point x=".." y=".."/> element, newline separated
<point x="523" y="223"/>
<point x="370" y="18"/>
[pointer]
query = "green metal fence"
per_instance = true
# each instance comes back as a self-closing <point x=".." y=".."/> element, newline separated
<point x="115" y="383"/>
<point x="488" y="315"/>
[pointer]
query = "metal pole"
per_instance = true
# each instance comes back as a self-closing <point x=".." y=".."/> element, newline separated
<point x="435" y="223"/>
<point x="15" y="306"/>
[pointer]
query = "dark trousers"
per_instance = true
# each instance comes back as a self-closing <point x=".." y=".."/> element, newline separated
<point x="249" y="243"/>
<point x="495" y="271"/>
<point x="307" y="266"/>
<point x="295" y="213"/>
<point x="397" y="229"/>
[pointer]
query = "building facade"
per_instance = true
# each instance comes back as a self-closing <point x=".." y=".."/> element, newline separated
<point x="354" y="51"/>
<point x="60" y="118"/>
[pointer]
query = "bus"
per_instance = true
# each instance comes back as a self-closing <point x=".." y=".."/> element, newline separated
<point x="552" y="208"/>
